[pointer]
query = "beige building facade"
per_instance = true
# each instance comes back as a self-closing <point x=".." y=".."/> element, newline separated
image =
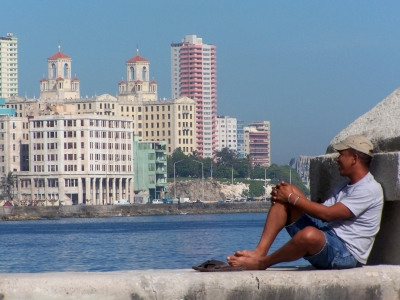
<point x="69" y="159"/>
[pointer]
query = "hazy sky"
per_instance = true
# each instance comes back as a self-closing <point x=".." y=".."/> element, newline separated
<point x="308" y="67"/>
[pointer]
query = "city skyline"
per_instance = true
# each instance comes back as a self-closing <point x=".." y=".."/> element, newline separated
<point x="308" y="68"/>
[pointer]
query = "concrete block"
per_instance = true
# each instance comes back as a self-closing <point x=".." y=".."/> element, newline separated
<point x="386" y="169"/>
<point x="387" y="242"/>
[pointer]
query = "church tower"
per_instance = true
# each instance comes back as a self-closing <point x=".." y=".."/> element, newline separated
<point x="60" y="84"/>
<point x="137" y="86"/>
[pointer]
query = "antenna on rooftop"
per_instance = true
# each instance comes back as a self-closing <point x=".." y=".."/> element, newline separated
<point x="137" y="49"/>
<point x="59" y="48"/>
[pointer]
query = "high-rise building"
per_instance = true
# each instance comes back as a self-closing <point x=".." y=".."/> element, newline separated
<point x="226" y="130"/>
<point x="240" y="138"/>
<point x="8" y="65"/>
<point x="194" y="75"/>
<point x="257" y="143"/>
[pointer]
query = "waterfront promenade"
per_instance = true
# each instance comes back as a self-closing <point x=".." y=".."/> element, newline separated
<point x="11" y="213"/>
<point x="369" y="282"/>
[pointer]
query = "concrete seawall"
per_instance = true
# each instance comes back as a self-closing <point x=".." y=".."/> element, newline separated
<point x="378" y="282"/>
<point x="98" y="211"/>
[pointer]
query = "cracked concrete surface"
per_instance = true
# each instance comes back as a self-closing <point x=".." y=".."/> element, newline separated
<point x="369" y="282"/>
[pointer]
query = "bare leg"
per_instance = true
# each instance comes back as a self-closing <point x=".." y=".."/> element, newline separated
<point x="308" y="241"/>
<point x="279" y="215"/>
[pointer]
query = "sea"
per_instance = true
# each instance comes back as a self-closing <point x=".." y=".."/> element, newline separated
<point x="129" y="243"/>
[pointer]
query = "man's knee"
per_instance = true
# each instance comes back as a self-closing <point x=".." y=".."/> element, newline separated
<point x="310" y="236"/>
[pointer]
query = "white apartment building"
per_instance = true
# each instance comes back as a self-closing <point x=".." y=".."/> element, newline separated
<point x="194" y="75"/>
<point x="227" y="133"/>
<point x="70" y="159"/>
<point x="8" y="66"/>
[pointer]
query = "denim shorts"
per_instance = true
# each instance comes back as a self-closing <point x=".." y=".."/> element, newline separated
<point x="334" y="254"/>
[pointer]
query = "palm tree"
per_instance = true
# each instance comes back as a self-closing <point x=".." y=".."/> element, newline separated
<point x="7" y="185"/>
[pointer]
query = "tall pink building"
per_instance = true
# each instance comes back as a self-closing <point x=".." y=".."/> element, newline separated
<point x="194" y="74"/>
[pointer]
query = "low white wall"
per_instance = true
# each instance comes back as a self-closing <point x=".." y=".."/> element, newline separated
<point x="378" y="282"/>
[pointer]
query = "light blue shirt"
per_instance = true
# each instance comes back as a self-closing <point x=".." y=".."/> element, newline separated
<point x="365" y="200"/>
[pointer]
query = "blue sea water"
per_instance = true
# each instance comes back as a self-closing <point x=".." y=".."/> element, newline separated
<point x="128" y="243"/>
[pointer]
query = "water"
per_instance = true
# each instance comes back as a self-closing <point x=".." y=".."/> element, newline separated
<point x="128" y="243"/>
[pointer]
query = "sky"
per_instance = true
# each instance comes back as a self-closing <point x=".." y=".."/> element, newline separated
<point x="309" y="67"/>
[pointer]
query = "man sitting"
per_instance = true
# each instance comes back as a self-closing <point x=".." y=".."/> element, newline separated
<point x="336" y="234"/>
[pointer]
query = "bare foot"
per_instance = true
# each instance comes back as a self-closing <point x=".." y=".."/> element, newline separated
<point x="248" y="253"/>
<point x="248" y="262"/>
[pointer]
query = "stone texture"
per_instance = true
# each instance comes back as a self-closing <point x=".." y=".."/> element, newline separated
<point x="381" y="125"/>
<point x="378" y="282"/>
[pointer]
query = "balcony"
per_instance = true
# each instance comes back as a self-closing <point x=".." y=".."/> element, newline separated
<point x="161" y="171"/>
<point x="161" y="158"/>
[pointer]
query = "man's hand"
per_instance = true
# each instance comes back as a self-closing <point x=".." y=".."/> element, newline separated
<point x="281" y="192"/>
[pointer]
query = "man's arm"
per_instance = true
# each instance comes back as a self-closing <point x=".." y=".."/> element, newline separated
<point x="316" y="210"/>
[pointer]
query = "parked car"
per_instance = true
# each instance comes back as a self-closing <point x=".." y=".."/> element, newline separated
<point x="198" y="201"/>
<point x="250" y="199"/>
<point x="221" y="201"/>
<point x="168" y="201"/>
<point x="122" y="202"/>
<point x="228" y="200"/>
<point x="157" y="201"/>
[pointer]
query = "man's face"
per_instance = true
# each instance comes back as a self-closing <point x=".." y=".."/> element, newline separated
<point x="345" y="161"/>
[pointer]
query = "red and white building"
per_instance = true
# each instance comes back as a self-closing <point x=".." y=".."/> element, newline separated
<point x="194" y="75"/>
<point x="257" y="143"/>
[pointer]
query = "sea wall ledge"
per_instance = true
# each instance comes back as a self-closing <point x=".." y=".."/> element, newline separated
<point x="11" y="213"/>
<point x="368" y="282"/>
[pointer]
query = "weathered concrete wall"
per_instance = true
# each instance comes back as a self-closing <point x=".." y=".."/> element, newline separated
<point x="96" y="211"/>
<point x="379" y="282"/>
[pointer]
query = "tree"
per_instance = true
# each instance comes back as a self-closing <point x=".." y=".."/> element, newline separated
<point x="256" y="188"/>
<point x="7" y="185"/>
<point x="226" y="157"/>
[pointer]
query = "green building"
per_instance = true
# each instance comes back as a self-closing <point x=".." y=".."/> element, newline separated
<point x="150" y="170"/>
